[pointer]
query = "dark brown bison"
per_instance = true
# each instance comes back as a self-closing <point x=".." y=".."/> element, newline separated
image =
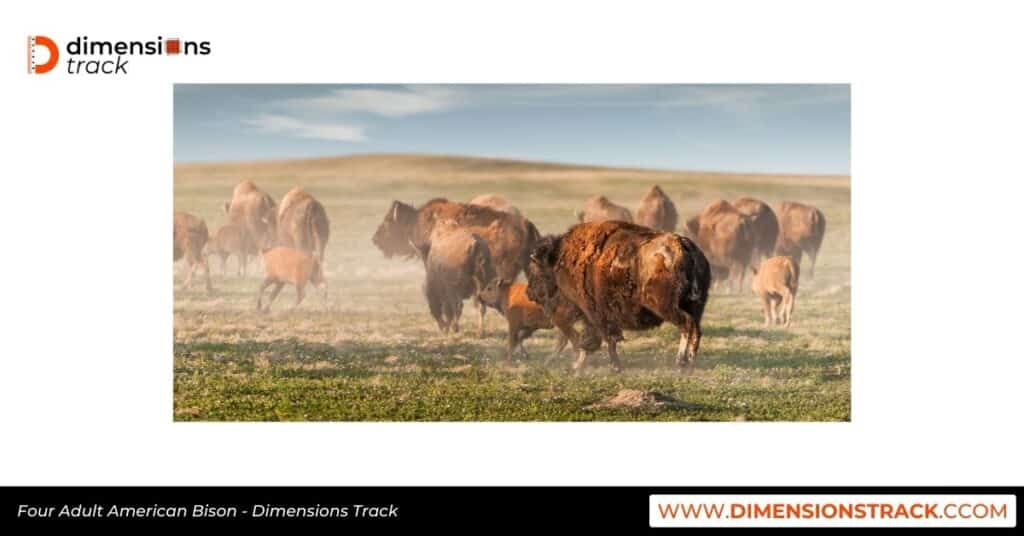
<point x="766" y="226"/>
<point x="726" y="236"/>
<point x="800" y="226"/>
<point x="190" y="236"/>
<point x="302" y="223"/>
<point x="657" y="211"/>
<point x="496" y="202"/>
<point x="599" y="208"/>
<point x="255" y="212"/>
<point x="458" y="266"/>
<point x="624" y="276"/>
<point x="406" y="230"/>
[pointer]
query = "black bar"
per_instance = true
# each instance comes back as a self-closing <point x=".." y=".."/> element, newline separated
<point x="476" y="510"/>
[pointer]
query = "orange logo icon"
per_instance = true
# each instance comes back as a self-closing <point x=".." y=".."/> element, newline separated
<point x="34" y="44"/>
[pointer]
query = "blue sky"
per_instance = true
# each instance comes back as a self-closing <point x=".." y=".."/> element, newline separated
<point x="758" y="128"/>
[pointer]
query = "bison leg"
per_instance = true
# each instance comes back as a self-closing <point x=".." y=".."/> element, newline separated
<point x="300" y="293"/>
<point x="259" y="295"/>
<point x="482" y="309"/>
<point x="188" y="277"/>
<point x="613" y="354"/>
<point x="766" y="305"/>
<point x="788" y="308"/>
<point x="513" y="341"/>
<point x="560" y="341"/>
<point x="273" y="293"/>
<point x="695" y="336"/>
<point x="581" y="360"/>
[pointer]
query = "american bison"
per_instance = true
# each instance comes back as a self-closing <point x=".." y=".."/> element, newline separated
<point x="727" y="238"/>
<point x="190" y="236"/>
<point x="227" y="241"/>
<point x="302" y="223"/>
<point x="255" y="212"/>
<point x="624" y="276"/>
<point x="657" y="211"/>
<point x="458" y="265"/>
<point x="406" y="229"/>
<point x="766" y="226"/>
<point x="599" y="208"/>
<point x="496" y="202"/>
<point x="288" y="265"/>
<point x="525" y="316"/>
<point x="801" y="226"/>
<point x="776" y="283"/>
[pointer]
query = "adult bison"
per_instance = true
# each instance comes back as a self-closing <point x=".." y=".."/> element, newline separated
<point x="624" y="276"/>
<point x="727" y="238"/>
<point x="599" y="208"/>
<point x="458" y="265"/>
<point x="255" y="212"/>
<point x="657" y="211"/>
<point x="766" y="226"/>
<point x="302" y="223"/>
<point x="406" y="231"/>
<point x="800" y="226"/>
<point x="496" y="202"/>
<point x="190" y="236"/>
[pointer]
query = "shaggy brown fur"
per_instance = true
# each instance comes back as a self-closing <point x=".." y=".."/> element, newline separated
<point x="657" y="211"/>
<point x="599" y="208"/>
<point x="302" y="223"/>
<point x="287" y="265"/>
<point x="801" y="226"/>
<point x="727" y="238"/>
<point x="766" y="226"/>
<point x="227" y="241"/>
<point x="525" y="316"/>
<point x="776" y="283"/>
<point x="458" y="265"/>
<point x="624" y="276"/>
<point x="509" y="238"/>
<point x="496" y="202"/>
<point x="190" y="236"/>
<point x="255" y="212"/>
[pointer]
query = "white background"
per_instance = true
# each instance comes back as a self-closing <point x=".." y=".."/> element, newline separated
<point x="86" y="185"/>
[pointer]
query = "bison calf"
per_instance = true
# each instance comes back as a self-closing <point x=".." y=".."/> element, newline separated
<point x="776" y="283"/>
<point x="286" y="265"/>
<point x="227" y="241"/>
<point x="525" y="316"/>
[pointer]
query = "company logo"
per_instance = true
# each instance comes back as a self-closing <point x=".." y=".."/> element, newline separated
<point x="40" y="47"/>
<point x="87" y="56"/>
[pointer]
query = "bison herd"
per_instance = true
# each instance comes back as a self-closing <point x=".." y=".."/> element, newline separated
<point x="608" y="273"/>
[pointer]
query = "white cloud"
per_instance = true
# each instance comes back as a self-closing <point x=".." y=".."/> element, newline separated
<point x="290" y="126"/>
<point x="386" y="102"/>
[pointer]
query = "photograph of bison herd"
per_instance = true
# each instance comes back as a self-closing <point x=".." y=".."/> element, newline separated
<point x="612" y="269"/>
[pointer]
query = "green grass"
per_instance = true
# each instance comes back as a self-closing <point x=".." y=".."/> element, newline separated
<point x="373" y="352"/>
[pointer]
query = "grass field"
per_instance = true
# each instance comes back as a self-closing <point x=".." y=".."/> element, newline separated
<point x="373" y="352"/>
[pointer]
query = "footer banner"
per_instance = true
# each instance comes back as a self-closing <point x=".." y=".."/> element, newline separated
<point x="476" y="509"/>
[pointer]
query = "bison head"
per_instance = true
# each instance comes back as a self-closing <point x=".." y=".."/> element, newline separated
<point x="493" y="292"/>
<point x="540" y="273"/>
<point x="394" y="234"/>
